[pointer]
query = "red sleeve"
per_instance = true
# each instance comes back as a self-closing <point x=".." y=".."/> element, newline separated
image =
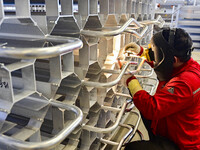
<point x="174" y="97"/>
<point x="150" y="63"/>
<point x="141" y="51"/>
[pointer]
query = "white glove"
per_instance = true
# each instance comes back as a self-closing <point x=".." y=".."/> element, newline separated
<point x="133" y="47"/>
<point x="124" y="79"/>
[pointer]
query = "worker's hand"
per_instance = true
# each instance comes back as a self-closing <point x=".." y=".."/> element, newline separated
<point x="133" y="47"/>
<point x="124" y="79"/>
<point x="133" y="85"/>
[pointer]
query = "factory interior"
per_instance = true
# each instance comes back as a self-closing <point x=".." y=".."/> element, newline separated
<point x="63" y="69"/>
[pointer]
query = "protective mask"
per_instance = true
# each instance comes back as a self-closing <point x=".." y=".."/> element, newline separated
<point x="163" y="57"/>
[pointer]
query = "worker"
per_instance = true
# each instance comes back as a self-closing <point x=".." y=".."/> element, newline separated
<point x="172" y="114"/>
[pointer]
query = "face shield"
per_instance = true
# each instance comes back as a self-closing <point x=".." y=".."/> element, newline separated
<point x="167" y="44"/>
<point x="163" y="57"/>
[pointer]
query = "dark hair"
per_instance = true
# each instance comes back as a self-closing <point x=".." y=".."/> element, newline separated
<point x="182" y="43"/>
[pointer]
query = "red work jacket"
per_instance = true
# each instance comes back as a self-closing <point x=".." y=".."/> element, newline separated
<point x="175" y="107"/>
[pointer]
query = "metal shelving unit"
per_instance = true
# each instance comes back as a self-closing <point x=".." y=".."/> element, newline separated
<point x="61" y="83"/>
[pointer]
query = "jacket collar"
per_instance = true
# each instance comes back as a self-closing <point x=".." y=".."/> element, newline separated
<point x="182" y="68"/>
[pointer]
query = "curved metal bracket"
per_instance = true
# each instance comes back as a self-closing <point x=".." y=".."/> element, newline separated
<point x="129" y="135"/>
<point x="124" y="28"/>
<point x="142" y="76"/>
<point x="51" y="143"/>
<point x="158" y="21"/>
<point x="151" y="70"/>
<point x="116" y="124"/>
<point x="111" y="33"/>
<point x="119" y="145"/>
<point x="112" y="83"/>
<point x="65" y="45"/>
<point x="108" y="84"/>
<point x="136" y="34"/>
<point x="136" y="125"/>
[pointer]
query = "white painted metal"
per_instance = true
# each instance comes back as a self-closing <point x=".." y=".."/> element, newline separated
<point x="87" y="77"/>
<point x="23" y="10"/>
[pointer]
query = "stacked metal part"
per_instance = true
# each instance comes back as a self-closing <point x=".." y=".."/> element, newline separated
<point x="60" y="80"/>
<point x="183" y="14"/>
<point x="189" y="20"/>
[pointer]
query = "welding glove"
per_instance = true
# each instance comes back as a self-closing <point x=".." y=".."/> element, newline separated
<point x="139" y="50"/>
<point x="133" y="85"/>
<point x="133" y="47"/>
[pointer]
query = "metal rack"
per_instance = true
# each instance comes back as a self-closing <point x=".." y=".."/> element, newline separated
<point x="62" y="63"/>
<point x="8" y="142"/>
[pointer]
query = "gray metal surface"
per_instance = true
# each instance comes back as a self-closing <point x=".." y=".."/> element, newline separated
<point x="109" y="129"/>
<point x="1" y="12"/>
<point x="49" y="144"/>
